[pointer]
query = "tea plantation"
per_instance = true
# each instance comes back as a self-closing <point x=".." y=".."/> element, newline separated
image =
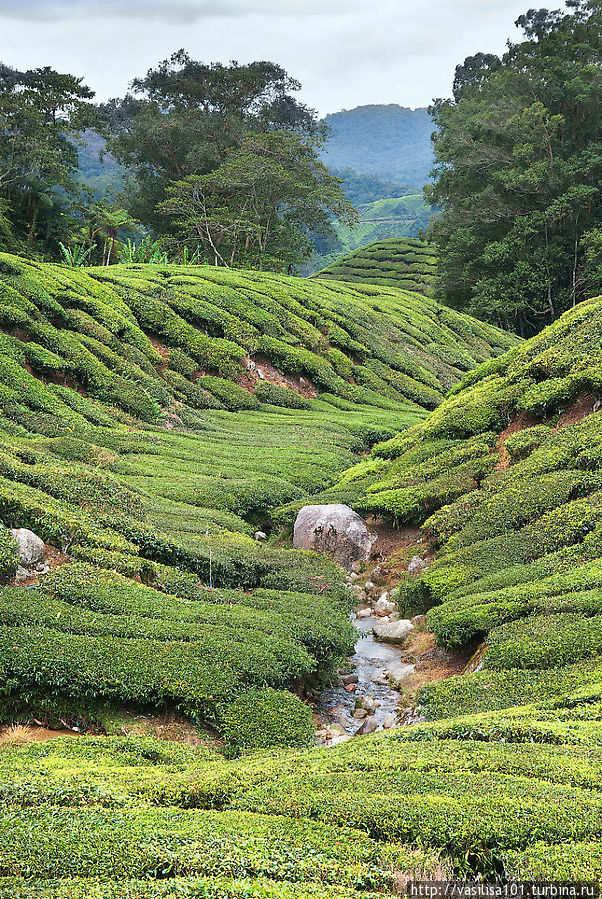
<point x="150" y="420"/>
<point x="138" y="440"/>
<point x="407" y="263"/>
<point x="505" y="480"/>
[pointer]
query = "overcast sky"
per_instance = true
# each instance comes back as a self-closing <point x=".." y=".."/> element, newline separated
<point x="345" y="52"/>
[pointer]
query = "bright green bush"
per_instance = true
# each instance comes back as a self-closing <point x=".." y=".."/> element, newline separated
<point x="259" y="719"/>
<point x="280" y="396"/>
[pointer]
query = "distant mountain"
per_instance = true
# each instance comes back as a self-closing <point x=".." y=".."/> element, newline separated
<point x="102" y="174"/>
<point x="391" y="142"/>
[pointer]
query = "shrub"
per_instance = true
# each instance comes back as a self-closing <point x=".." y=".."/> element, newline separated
<point x="259" y="719"/>
<point x="280" y="396"/>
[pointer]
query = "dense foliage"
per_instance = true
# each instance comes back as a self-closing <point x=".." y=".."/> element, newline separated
<point x="518" y="173"/>
<point x="41" y="113"/>
<point x="223" y="159"/>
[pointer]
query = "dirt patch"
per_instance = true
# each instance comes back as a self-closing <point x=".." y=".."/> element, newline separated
<point x="166" y="726"/>
<point x="393" y="550"/>
<point x="433" y="663"/>
<point x="584" y="405"/>
<point x="53" y="557"/>
<point x="163" y="352"/>
<point x="31" y="733"/>
<point x="521" y="422"/>
<point x="260" y="369"/>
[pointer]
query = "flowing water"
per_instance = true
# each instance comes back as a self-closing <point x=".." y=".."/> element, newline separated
<point x="374" y="663"/>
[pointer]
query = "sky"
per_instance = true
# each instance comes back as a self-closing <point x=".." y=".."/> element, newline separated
<point x="346" y="53"/>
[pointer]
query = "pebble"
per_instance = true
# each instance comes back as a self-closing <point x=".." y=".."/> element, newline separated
<point x="364" y="613"/>
<point x="350" y="688"/>
<point x="350" y="678"/>
<point x="360" y="713"/>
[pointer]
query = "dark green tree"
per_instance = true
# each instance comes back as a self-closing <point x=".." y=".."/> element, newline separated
<point x="519" y="172"/>
<point x="184" y="116"/>
<point x="257" y="208"/>
<point x="41" y="114"/>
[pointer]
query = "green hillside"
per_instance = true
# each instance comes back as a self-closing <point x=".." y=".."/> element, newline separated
<point x="384" y="219"/>
<point x="139" y="437"/>
<point x="502" y="780"/>
<point x="408" y="264"/>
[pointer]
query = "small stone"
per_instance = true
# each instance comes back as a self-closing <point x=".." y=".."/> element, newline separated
<point x="22" y="573"/>
<point x="337" y="729"/>
<point x="369" y="585"/>
<point x="416" y="565"/>
<point x="368" y="703"/>
<point x="356" y="567"/>
<point x="364" y="613"/>
<point x="384" y="606"/>
<point x="260" y="374"/>
<point x="368" y="727"/>
<point x="260" y="536"/>
<point x="389" y="721"/>
<point x="398" y="671"/>
<point x="350" y="688"/>
<point x="350" y="679"/>
<point x="360" y="713"/>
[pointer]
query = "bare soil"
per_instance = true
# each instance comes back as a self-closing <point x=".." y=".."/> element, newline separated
<point x="248" y="380"/>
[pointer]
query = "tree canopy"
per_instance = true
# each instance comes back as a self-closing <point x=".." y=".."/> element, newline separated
<point x="183" y="117"/>
<point x="257" y="207"/>
<point x="41" y="113"/>
<point x="518" y="172"/>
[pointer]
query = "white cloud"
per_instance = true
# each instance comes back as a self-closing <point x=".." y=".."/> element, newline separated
<point x="345" y="52"/>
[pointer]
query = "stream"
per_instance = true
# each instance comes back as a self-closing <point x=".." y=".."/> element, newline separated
<point x="374" y="664"/>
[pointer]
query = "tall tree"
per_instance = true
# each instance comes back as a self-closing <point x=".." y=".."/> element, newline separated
<point x="41" y="113"/>
<point x="257" y="208"/>
<point x="519" y="172"/>
<point x="184" y="116"/>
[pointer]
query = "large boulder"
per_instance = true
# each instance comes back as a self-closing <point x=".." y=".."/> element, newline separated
<point x="334" y="529"/>
<point x="394" y="631"/>
<point x="31" y="547"/>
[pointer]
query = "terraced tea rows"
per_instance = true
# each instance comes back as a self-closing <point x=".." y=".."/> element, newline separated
<point x="406" y="263"/>
<point x="151" y="419"/>
<point x="503" y="780"/>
